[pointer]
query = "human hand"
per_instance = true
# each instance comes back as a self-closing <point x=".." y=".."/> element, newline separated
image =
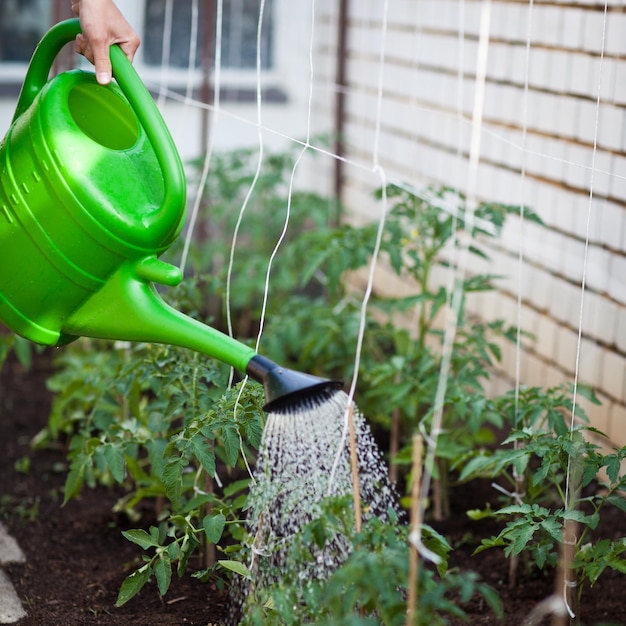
<point x="103" y="25"/>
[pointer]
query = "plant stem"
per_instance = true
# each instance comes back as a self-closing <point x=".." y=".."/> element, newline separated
<point x="209" y="551"/>
<point x="415" y="526"/>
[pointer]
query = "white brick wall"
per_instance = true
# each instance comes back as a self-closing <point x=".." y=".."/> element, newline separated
<point x="421" y="133"/>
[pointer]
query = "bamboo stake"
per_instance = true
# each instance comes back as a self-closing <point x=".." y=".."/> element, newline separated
<point x="354" y="466"/>
<point x="414" y="530"/>
<point x="210" y="554"/>
<point x="566" y="580"/>
<point x="394" y="445"/>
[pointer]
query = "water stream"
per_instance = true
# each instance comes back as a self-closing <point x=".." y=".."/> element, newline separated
<point x="300" y="464"/>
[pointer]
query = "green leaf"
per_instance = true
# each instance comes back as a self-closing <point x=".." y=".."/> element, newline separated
<point x="553" y="527"/>
<point x="204" y="454"/>
<point x="519" y="536"/>
<point x="482" y="465"/>
<point x="231" y="444"/>
<point x="493" y="599"/>
<point x="214" y="526"/>
<point x="115" y="460"/>
<point x="141" y="538"/>
<point x="613" y="467"/>
<point x="133" y="584"/>
<point x="515" y="509"/>
<point x="74" y="480"/>
<point x="190" y="543"/>
<point x="156" y="447"/>
<point x="237" y="567"/>
<point x="173" y="480"/>
<point x="163" y="572"/>
<point x="478" y="514"/>
<point x="492" y="542"/>
<point x="23" y="350"/>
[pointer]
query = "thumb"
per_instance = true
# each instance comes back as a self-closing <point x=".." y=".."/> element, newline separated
<point x="102" y="62"/>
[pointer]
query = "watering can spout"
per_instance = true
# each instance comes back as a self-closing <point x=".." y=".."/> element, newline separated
<point x="129" y="308"/>
<point x="285" y="389"/>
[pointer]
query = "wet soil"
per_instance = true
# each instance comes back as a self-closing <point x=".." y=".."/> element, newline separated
<point x="77" y="557"/>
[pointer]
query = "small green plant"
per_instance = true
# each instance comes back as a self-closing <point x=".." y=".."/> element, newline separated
<point x="160" y="423"/>
<point x="370" y="586"/>
<point x="25" y="508"/>
<point x="559" y="466"/>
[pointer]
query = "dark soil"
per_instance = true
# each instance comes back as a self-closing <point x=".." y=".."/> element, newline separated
<point x="77" y="557"/>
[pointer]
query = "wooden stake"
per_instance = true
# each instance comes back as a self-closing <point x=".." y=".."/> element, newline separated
<point x="416" y="522"/>
<point x="354" y="465"/>
<point x="566" y="579"/>
<point x="210" y="554"/>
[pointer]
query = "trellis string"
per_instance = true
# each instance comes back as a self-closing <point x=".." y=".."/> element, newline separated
<point x="216" y="109"/>
<point x="522" y="200"/>
<point x="166" y="44"/>
<point x="452" y="316"/>
<point x="586" y="247"/>
<point x="244" y="206"/>
<point x="379" y="171"/>
<point x="305" y="147"/>
<point x="568" y="479"/>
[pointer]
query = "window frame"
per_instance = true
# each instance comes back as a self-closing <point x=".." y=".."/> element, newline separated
<point x="236" y="83"/>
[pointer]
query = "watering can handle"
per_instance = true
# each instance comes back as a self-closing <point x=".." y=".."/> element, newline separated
<point x="133" y="88"/>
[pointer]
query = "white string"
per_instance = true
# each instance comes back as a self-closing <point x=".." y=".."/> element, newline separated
<point x="305" y="147"/>
<point x="217" y="82"/>
<point x="193" y="52"/>
<point x="183" y="120"/>
<point x="424" y="195"/>
<point x="585" y="254"/>
<point x="464" y="243"/>
<point x="379" y="171"/>
<point x="257" y="173"/>
<point x="289" y="195"/>
<point x="165" y="51"/>
<point x="520" y="258"/>
<point x="244" y="206"/>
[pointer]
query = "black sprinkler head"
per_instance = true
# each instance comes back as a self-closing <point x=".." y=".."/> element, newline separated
<point x="287" y="389"/>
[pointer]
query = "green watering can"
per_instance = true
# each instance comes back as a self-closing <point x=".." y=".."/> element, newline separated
<point x="92" y="191"/>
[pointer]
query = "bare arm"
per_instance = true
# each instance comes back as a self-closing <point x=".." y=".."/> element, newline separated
<point x="103" y="25"/>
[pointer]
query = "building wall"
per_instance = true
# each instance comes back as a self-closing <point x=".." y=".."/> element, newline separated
<point x="552" y="138"/>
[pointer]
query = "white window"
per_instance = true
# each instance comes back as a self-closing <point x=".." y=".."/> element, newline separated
<point x="22" y="23"/>
<point x="159" y="23"/>
<point x="170" y="25"/>
<point x="238" y="34"/>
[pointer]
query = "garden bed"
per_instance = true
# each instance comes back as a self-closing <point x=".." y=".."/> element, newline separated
<point x="77" y="557"/>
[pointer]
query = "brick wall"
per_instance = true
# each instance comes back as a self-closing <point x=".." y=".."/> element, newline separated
<point x="566" y="132"/>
